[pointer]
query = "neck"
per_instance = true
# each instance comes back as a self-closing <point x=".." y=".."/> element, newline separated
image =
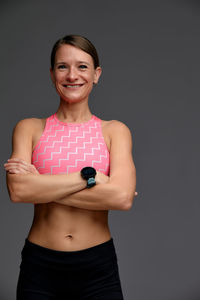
<point x="73" y="112"/>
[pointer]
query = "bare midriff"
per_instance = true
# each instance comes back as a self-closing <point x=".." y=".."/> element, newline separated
<point x="63" y="228"/>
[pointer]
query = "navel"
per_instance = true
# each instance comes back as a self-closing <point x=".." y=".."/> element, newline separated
<point x="69" y="236"/>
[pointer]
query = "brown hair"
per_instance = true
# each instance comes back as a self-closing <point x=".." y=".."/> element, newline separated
<point x="77" y="41"/>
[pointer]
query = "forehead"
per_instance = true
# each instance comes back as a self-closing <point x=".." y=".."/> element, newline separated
<point x="70" y="53"/>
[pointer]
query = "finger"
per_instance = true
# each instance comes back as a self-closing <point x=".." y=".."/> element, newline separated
<point x="27" y="166"/>
<point x="13" y="166"/>
<point x="17" y="164"/>
<point x="22" y="171"/>
<point x="10" y="166"/>
<point x="17" y="160"/>
<point x="14" y="171"/>
<point x="21" y="168"/>
<point x="17" y="171"/>
<point x="14" y="163"/>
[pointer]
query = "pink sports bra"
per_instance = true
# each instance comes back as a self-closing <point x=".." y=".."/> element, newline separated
<point x="68" y="147"/>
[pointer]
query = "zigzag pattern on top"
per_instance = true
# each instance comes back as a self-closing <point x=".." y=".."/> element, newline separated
<point x="68" y="147"/>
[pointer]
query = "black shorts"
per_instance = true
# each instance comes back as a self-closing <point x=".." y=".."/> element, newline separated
<point x="88" y="274"/>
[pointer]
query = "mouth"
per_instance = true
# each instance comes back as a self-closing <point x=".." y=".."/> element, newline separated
<point x="73" y="86"/>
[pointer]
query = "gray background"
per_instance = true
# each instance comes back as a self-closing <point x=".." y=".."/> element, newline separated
<point x="149" y="51"/>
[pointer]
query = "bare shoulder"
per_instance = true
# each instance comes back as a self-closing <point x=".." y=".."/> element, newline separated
<point x="24" y="135"/>
<point x="29" y="128"/>
<point x="28" y="124"/>
<point x="114" y="127"/>
<point x="114" y="131"/>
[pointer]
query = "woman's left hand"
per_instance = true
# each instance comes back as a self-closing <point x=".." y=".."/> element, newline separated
<point x="19" y="166"/>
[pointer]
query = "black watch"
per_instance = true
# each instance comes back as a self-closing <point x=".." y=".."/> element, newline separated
<point x="89" y="173"/>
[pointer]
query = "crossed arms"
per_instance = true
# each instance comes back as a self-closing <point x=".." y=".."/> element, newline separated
<point x="117" y="191"/>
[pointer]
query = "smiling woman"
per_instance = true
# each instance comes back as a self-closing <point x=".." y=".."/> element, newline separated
<point x="74" y="167"/>
<point x="73" y="73"/>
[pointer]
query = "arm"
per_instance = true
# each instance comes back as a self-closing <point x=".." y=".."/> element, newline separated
<point x="119" y="191"/>
<point x="31" y="188"/>
<point x="36" y="188"/>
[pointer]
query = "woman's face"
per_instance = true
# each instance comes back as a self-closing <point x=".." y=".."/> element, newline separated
<point x="74" y="73"/>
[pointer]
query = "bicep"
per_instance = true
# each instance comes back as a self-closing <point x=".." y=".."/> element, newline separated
<point x="22" y="140"/>
<point x="21" y="149"/>
<point x="122" y="168"/>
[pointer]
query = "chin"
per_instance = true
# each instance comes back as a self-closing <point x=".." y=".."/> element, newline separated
<point x="71" y="100"/>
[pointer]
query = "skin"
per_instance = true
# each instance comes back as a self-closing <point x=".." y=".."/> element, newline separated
<point x="78" y="220"/>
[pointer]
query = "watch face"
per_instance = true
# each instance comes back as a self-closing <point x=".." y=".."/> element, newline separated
<point x="88" y="172"/>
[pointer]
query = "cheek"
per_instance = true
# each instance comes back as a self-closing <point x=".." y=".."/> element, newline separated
<point x="90" y="78"/>
<point x="59" y="78"/>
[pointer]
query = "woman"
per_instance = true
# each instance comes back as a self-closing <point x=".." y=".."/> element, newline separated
<point x="74" y="167"/>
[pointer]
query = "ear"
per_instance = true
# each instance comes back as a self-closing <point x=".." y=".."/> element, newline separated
<point x="52" y="75"/>
<point x="97" y="74"/>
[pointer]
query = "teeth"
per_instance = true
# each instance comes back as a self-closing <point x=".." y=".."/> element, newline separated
<point x="73" y="86"/>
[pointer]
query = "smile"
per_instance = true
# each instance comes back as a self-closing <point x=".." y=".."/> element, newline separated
<point x="73" y="86"/>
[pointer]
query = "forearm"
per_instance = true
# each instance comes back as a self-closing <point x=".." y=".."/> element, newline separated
<point x="106" y="196"/>
<point x="37" y="188"/>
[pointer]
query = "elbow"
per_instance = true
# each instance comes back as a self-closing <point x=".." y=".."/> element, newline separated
<point x="14" y="194"/>
<point x="14" y="188"/>
<point x="126" y="201"/>
<point x="14" y="198"/>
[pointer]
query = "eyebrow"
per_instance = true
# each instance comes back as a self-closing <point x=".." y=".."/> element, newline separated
<point x="83" y="62"/>
<point x="79" y="62"/>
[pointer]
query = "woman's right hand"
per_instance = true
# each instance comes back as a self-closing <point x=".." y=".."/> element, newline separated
<point x="101" y="178"/>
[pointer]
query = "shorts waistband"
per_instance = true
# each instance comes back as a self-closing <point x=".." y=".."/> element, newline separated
<point x="103" y="251"/>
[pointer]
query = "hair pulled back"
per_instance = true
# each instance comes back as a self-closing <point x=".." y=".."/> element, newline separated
<point x="77" y="41"/>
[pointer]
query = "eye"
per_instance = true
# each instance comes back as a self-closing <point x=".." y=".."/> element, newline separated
<point x="61" y="67"/>
<point x="83" y="67"/>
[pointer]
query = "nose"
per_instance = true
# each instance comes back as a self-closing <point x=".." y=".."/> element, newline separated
<point x="72" y="74"/>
